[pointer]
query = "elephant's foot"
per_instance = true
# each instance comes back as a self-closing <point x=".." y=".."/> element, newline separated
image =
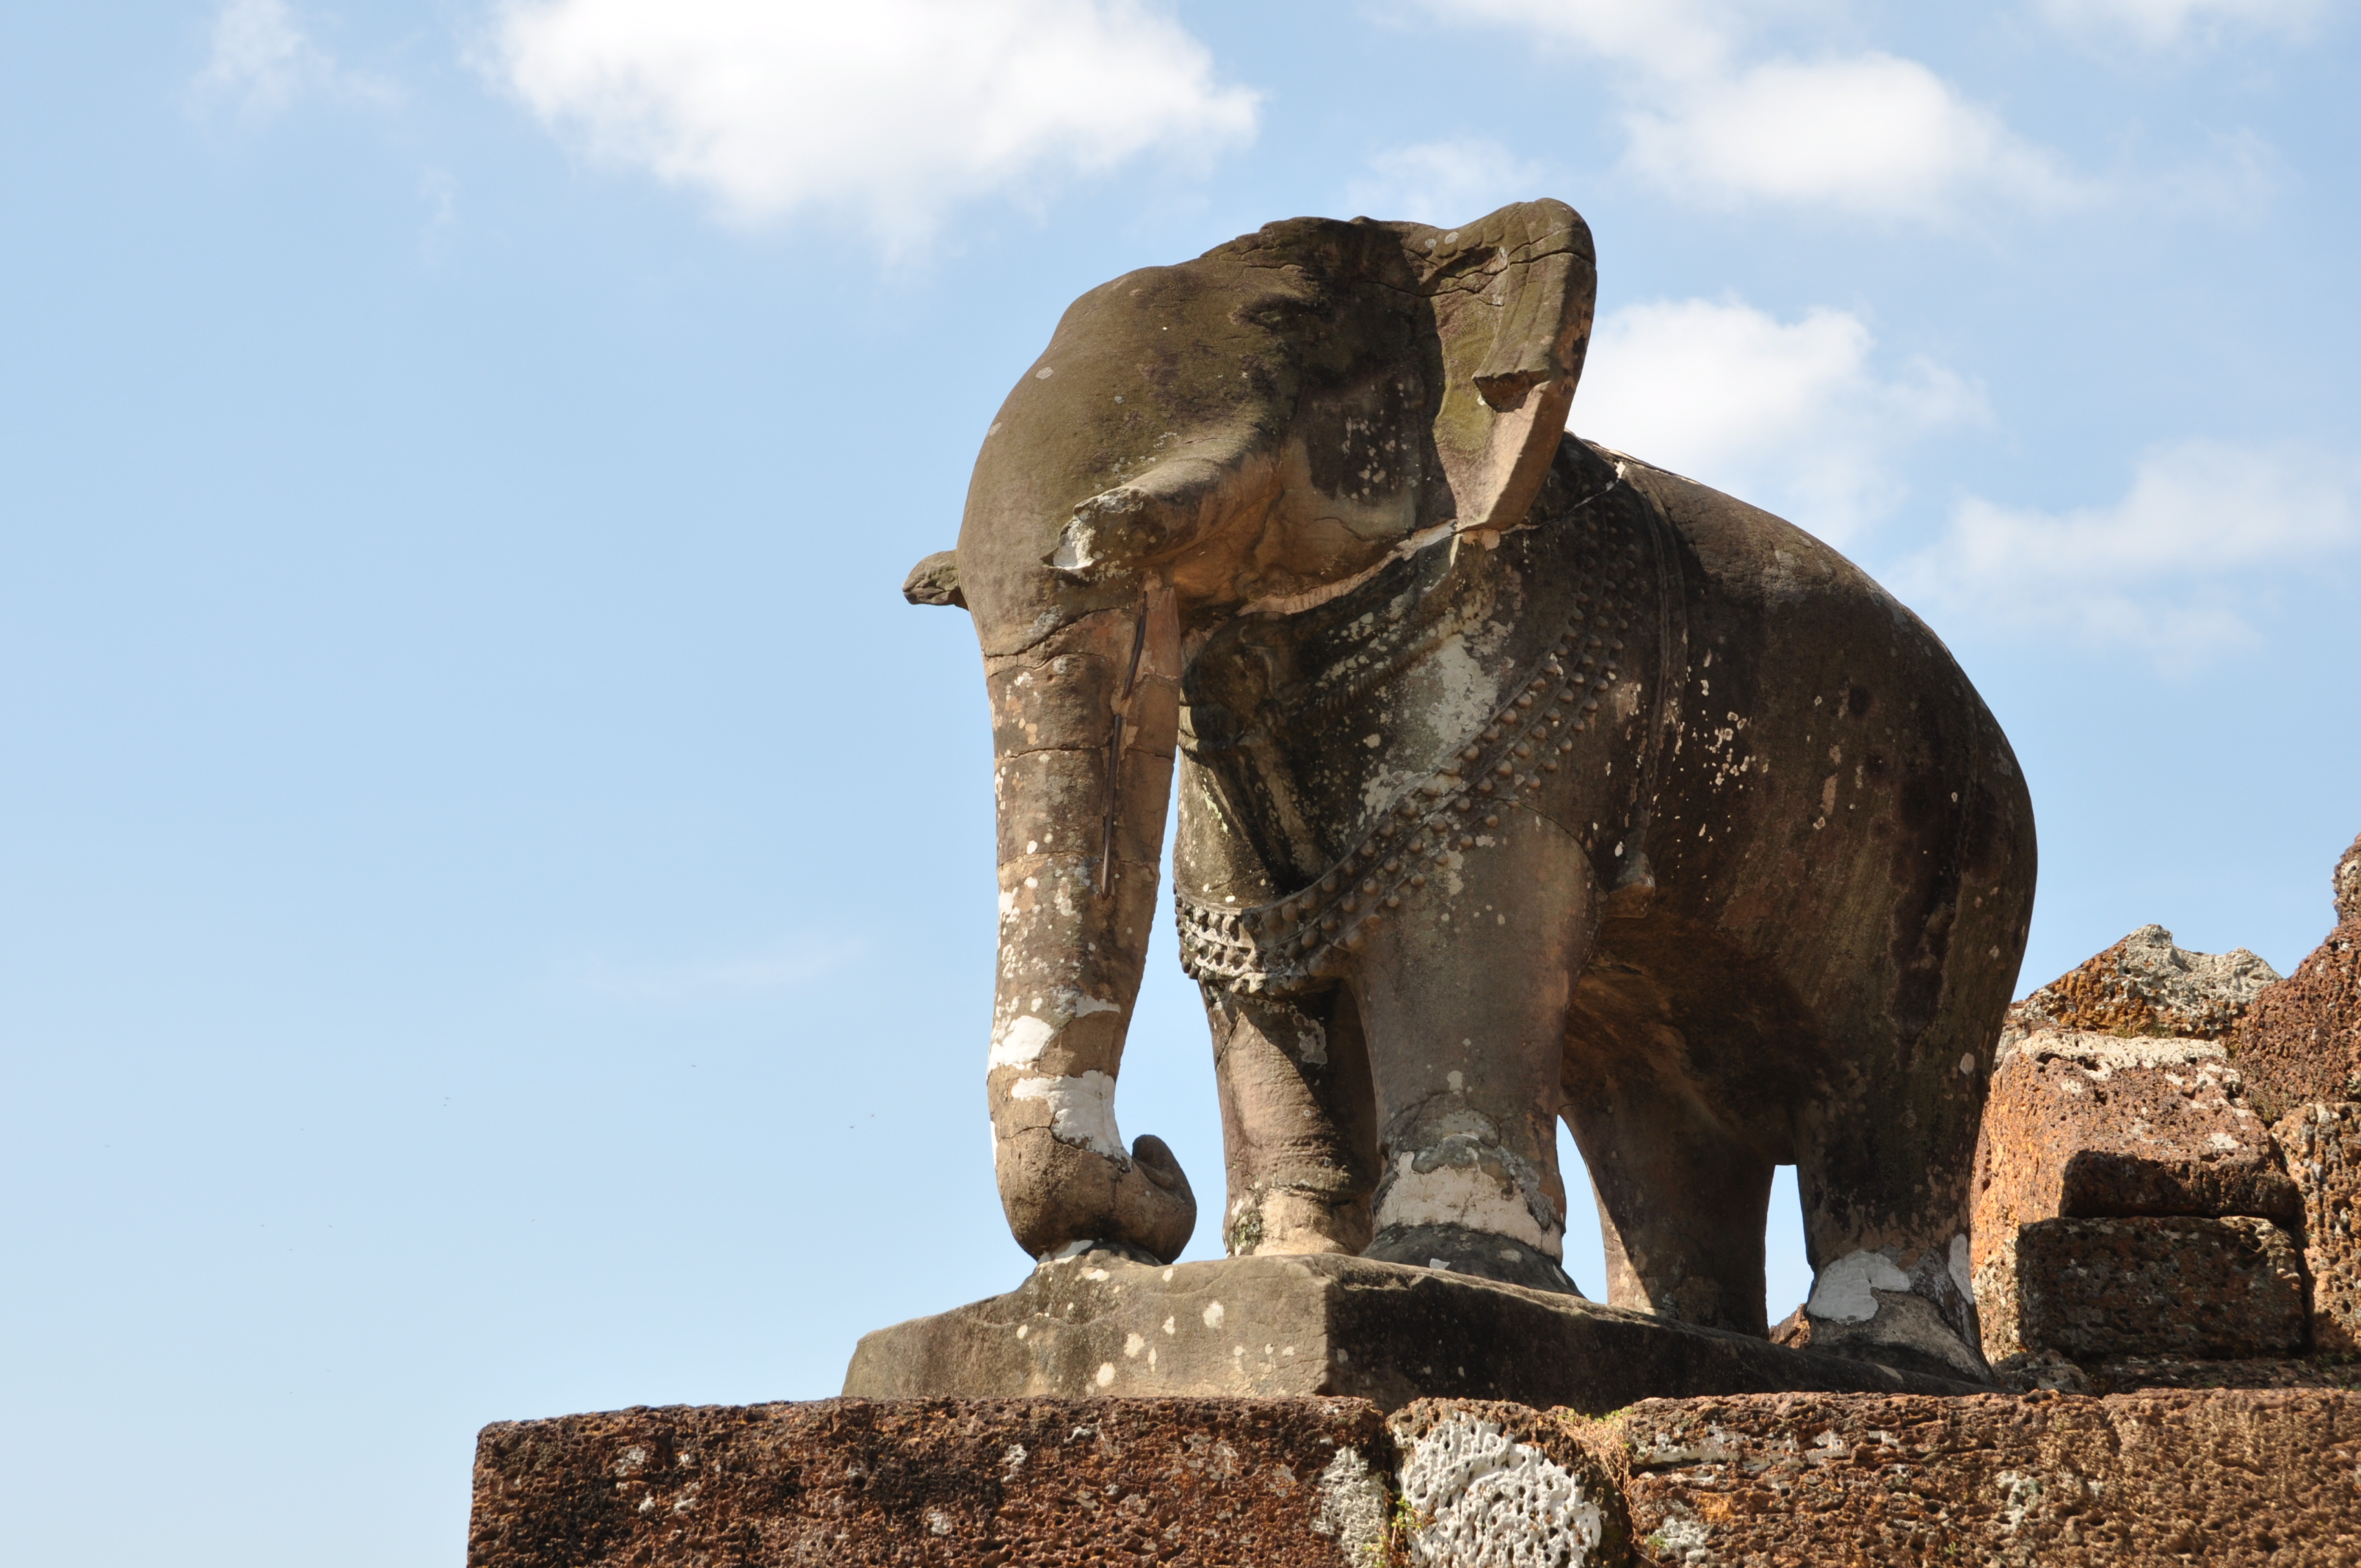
<point x="1057" y="1194"/>
<point x="1920" y="1318"/>
<point x="1483" y="1253"/>
<point x="1294" y="1220"/>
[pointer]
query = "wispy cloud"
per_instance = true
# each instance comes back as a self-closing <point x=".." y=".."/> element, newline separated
<point x="1872" y="133"/>
<point x="792" y="963"/>
<point x="262" y="61"/>
<point x="2183" y="566"/>
<point x="1796" y="416"/>
<point x="1714" y="119"/>
<point x="891" y="113"/>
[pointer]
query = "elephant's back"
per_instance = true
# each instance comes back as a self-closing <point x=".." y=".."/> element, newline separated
<point x="1838" y="813"/>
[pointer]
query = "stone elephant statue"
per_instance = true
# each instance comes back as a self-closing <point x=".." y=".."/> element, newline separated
<point x="1519" y="780"/>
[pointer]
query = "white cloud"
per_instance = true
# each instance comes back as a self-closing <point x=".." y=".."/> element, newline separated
<point x="783" y="968"/>
<point x="262" y="61"/>
<point x="1869" y="133"/>
<point x="895" y="111"/>
<point x="1794" y="416"/>
<point x="2176" y="568"/>
<point x="2160" y="23"/>
<point x="1445" y="181"/>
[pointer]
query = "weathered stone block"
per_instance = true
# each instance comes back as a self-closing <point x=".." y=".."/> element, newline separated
<point x="1289" y="1482"/>
<point x="2164" y="1285"/>
<point x="2145" y="985"/>
<point x="1324" y="1325"/>
<point x="2089" y="1125"/>
<point x="2082" y="1125"/>
<point x="2127" y="1481"/>
<point x="1481" y="1482"/>
<point x="2322" y="1148"/>
<point x="2302" y="1041"/>
<point x="2235" y="1477"/>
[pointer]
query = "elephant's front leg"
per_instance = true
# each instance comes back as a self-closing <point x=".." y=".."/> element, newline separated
<point x="1464" y="998"/>
<point x="1298" y="1126"/>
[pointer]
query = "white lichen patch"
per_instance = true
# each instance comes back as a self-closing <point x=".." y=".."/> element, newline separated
<point x="1488" y="1501"/>
<point x="1082" y="1110"/>
<point x="1685" y="1539"/>
<point x="1021" y="1040"/>
<point x="1458" y="1195"/>
<point x="1846" y="1290"/>
<point x="1351" y="1503"/>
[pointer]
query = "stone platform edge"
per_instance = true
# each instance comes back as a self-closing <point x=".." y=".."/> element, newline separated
<point x="2221" y="1475"/>
<point x="1331" y="1326"/>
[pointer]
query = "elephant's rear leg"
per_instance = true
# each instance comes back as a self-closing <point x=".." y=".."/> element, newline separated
<point x="1884" y="1179"/>
<point x="1681" y="1205"/>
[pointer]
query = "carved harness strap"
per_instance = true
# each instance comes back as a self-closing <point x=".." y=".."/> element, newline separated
<point x="1578" y="737"/>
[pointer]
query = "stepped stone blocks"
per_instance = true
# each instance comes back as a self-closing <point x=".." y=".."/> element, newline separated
<point x="2091" y="1289"/>
<point x="2322" y="1144"/>
<point x="2089" y="1126"/>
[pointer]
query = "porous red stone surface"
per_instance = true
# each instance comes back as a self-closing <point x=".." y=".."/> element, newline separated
<point x="966" y="1482"/>
<point x="2145" y="985"/>
<point x="2322" y="1148"/>
<point x="2082" y="1125"/>
<point x="2232" y="1476"/>
<point x="2132" y="1373"/>
<point x="2163" y="1285"/>
<point x="1851" y="1481"/>
<point x="2300" y="1042"/>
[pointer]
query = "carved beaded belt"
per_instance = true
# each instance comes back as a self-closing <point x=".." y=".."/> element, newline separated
<point x="1292" y="943"/>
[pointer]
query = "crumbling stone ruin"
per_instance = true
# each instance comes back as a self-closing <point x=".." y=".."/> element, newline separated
<point x="2166" y="1176"/>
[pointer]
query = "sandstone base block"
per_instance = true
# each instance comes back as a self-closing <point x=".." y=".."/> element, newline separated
<point x="1325" y="1326"/>
<point x="2168" y="1287"/>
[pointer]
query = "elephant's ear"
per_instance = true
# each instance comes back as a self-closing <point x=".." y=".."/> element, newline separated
<point x="1513" y="295"/>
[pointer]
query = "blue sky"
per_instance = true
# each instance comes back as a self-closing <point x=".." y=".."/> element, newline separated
<point x="496" y="888"/>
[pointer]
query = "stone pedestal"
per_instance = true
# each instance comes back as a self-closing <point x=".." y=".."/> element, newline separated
<point x="1101" y="1324"/>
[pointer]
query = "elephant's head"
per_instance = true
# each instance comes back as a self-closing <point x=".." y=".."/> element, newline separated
<point x="1246" y="433"/>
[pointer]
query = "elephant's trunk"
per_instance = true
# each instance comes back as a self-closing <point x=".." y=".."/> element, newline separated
<point x="1083" y="727"/>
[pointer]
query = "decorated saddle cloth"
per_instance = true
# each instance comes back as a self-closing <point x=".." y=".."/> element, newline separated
<point x="1337" y="763"/>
